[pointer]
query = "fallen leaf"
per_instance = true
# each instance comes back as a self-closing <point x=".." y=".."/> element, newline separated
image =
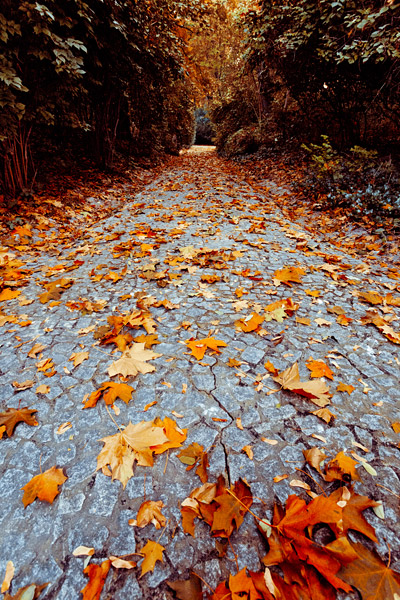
<point x="288" y="275"/>
<point x="315" y="457"/>
<point x="341" y="467"/>
<point x="396" y="427"/>
<point x="12" y="416"/>
<point x="83" y="551"/>
<point x="29" y="592"/>
<point x="199" y="347"/>
<point x="300" y="484"/>
<point x="120" y="563"/>
<point x="9" y="574"/>
<point x="109" y="391"/>
<point x="97" y="575"/>
<point x="319" y="369"/>
<point x="79" y="357"/>
<point x="270" y="367"/>
<point x="190" y="589"/>
<point x="250" y="323"/>
<point x="247" y="450"/>
<point x="8" y="294"/>
<point x="279" y="478"/>
<point x="44" y="486"/>
<point x="35" y="350"/>
<point x="322" y="322"/>
<point x="133" y="361"/>
<point x="137" y="443"/>
<point x="152" y="553"/>
<point x="232" y="362"/>
<point x="194" y="455"/>
<point x="42" y="389"/>
<point x="23" y="385"/>
<point x="344" y="387"/>
<point x="317" y="391"/>
<point x="63" y="428"/>
<point x="303" y="320"/>
<point x="149" y="512"/>
<point x="325" y="414"/>
<point x="268" y="441"/>
<point x="370" y="576"/>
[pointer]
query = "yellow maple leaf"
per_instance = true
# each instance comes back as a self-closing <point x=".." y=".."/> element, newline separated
<point x="152" y="553"/>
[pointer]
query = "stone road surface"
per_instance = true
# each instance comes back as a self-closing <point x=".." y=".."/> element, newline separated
<point x="197" y="202"/>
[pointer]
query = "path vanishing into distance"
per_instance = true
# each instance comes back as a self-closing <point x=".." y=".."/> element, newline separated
<point x="197" y="316"/>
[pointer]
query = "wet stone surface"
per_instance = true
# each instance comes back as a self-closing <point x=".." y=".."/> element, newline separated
<point x="195" y="203"/>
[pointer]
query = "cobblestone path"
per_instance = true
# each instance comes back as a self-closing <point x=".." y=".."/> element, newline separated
<point x="196" y="221"/>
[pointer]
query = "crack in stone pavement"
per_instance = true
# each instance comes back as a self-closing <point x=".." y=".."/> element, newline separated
<point x="204" y="238"/>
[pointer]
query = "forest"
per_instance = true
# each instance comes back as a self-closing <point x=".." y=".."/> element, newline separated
<point x="102" y="81"/>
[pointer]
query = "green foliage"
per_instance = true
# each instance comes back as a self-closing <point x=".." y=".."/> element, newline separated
<point x="358" y="180"/>
<point x="111" y="70"/>
<point x="338" y="61"/>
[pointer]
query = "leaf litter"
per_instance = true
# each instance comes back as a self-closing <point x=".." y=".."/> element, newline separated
<point x="311" y="567"/>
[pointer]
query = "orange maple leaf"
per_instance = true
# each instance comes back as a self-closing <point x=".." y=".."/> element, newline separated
<point x="288" y="274"/>
<point x="341" y="467"/>
<point x="250" y="323"/>
<point x="11" y="416"/>
<point x="319" y="369"/>
<point x="110" y="391"/>
<point x="199" y="347"/>
<point x="43" y="486"/>
<point x="372" y="577"/>
<point x="97" y="575"/>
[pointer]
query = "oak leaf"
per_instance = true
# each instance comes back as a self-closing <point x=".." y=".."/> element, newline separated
<point x="152" y="553"/>
<point x="44" y="486"/>
<point x="149" y="512"/>
<point x="109" y="391"/>
<point x="372" y="577"/>
<point x="133" y="361"/>
<point x="317" y="391"/>
<point x="199" y="347"/>
<point x="12" y="416"/>
<point x="97" y="575"/>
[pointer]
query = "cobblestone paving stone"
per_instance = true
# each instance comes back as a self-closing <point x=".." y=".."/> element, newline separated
<point x="195" y="202"/>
